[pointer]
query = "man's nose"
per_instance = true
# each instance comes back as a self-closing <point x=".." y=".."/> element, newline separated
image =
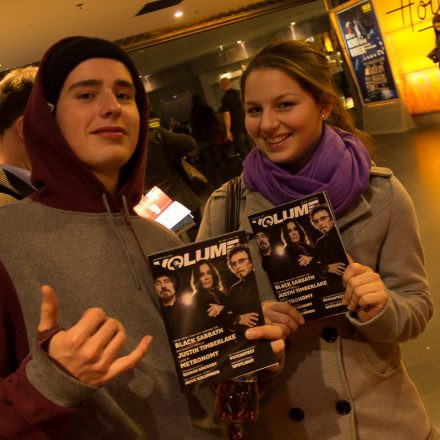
<point x="110" y="104"/>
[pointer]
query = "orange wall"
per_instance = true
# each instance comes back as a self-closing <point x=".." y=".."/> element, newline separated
<point x="418" y="78"/>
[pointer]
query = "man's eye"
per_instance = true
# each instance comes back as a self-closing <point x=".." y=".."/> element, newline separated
<point x="85" y="96"/>
<point x="125" y="96"/>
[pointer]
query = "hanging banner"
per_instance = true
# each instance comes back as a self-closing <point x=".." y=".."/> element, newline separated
<point x="363" y="41"/>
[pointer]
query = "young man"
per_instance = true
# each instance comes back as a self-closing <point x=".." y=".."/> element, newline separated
<point x="85" y="127"/>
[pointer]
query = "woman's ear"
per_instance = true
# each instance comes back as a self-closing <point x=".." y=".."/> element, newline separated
<point x="325" y="110"/>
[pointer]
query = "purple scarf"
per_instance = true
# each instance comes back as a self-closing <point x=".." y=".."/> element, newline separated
<point x="340" y="165"/>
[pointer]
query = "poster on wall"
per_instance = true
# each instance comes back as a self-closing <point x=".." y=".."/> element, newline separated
<point x="363" y="41"/>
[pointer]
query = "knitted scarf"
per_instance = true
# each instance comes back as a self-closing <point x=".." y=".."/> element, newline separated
<point x="340" y="165"/>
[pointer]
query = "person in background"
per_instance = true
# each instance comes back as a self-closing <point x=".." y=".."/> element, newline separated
<point x="72" y="358"/>
<point x="233" y="114"/>
<point x="205" y="131"/>
<point x="164" y="151"/>
<point x="15" y="181"/>
<point x="343" y="375"/>
<point x="177" y="127"/>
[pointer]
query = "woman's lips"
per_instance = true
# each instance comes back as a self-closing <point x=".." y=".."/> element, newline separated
<point x="277" y="142"/>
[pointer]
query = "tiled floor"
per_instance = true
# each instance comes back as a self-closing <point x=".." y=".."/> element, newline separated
<point x="414" y="156"/>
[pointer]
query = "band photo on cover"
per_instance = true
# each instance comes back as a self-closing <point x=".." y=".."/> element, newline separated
<point x="303" y="255"/>
<point x="208" y="297"/>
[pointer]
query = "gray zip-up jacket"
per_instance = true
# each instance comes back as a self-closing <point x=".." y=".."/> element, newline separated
<point x="90" y="246"/>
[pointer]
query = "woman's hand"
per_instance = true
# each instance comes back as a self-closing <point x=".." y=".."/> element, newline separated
<point x="282" y="315"/>
<point x="214" y="310"/>
<point x="364" y="290"/>
<point x="273" y="333"/>
<point x="89" y="349"/>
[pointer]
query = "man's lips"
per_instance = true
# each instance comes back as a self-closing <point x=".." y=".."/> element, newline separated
<point x="110" y="130"/>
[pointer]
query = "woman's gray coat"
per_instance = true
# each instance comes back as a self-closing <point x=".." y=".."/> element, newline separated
<point x="344" y="379"/>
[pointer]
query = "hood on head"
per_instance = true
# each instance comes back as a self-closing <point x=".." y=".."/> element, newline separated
<point x="62" y="180"/>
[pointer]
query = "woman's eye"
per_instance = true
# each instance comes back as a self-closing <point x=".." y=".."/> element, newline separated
<point x="285" y="105"/>
<point x="253" y="110"/>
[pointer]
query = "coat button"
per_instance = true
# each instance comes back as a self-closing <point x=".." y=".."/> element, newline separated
<point x="329" y="334"/>
<point x="343" y="407"/>
<point x="296" y="414"/>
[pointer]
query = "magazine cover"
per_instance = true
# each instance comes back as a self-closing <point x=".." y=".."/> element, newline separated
<point x="208" y="297"/>
<point x="303" y="254"/>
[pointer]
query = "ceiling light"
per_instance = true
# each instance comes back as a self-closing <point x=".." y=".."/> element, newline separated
<point x="239" y="42"/>
<point x="293" y="23"/>
<point x="178" y="14"/>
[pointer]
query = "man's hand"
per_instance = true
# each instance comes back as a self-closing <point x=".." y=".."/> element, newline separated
<point x="283" y="315"/>
<point x="337" y="268"/>
<point x="364" y="289"/>
<point x="214" y="310"/>
<point x="275" y="334"/>
<point x="248" y="319"/>
<point x="88" y="350"/>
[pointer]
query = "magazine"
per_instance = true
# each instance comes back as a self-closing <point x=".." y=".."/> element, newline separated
<point x="208" y="298"/>
<point x="303" y="255"/>
<point x="156" y="205"/>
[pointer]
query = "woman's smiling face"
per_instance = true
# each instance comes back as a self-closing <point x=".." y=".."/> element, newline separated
<point x="283" y="119"/>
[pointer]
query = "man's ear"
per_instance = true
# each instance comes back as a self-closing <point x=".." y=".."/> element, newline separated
<point x="19" y="127"/>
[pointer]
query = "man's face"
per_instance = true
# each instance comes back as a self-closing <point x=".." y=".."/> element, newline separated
<point x="241" y="264"/>
<point x="263" y="242"/>
<point x="165" y="290"/>
<point x="97" y="115"/>
<point x="322" y="221"/>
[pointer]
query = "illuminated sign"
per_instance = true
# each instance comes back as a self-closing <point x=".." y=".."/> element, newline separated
<point x="421" y="9"/>
<point x="364" y="44"/>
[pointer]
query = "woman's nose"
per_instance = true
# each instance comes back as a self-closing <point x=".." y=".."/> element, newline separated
<point x="269" y="121"/>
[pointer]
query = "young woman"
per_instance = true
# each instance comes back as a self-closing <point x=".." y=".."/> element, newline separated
<point x="343" y="376"/>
